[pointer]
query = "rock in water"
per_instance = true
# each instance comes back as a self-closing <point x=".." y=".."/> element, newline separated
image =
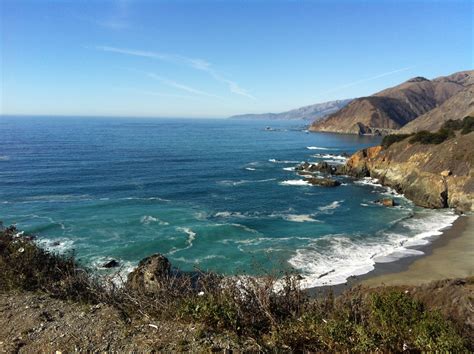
<point x="111" y="264"/>
<point x="150" y="274"/>
<point x="323" y="182"/>
<point x="388" y="202"/>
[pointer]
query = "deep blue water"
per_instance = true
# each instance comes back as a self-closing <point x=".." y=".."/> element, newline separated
<point x="216" y="194"/>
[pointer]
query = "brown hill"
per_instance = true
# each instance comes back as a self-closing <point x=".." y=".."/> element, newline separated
<point x="394" y="107"/>
<point x="456" y="107"/>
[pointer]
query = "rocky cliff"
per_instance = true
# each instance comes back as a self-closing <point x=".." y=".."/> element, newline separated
<point x="432" y="176"/>
<point x="391" y="109"/>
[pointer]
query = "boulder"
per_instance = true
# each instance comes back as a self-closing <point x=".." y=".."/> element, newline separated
<point x="323" y="182"/>
<point x="388" y="202"/>
<point x="111" y="264"/>
<point x="150" y="275"/>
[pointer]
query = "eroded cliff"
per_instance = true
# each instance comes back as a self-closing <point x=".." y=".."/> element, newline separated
<point x="432" y="176"/>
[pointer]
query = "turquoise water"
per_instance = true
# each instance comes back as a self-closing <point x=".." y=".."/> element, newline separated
<point x="215" y="194"/>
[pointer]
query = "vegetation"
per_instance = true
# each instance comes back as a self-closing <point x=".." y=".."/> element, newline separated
<point x="447" y="131"/>
<point x="426" y="137"/>
<point x="393" y="138"/>
<point x="287" y="319"/>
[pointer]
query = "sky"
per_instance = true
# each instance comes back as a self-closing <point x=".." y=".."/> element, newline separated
<point x="219" y="58"/>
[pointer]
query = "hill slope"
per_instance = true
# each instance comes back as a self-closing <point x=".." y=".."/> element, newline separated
<point x="314" y="111"/>
<point x="456" y="107"/>
<point x="394" y="107"/>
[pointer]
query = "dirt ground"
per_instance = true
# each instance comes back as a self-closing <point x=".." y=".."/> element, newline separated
<point x="31" y="322"/>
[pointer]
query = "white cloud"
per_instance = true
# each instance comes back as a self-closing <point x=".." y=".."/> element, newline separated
<point x="180" y="86"/>
<point x="354" y="83"/>
<point x="197" y="64"/>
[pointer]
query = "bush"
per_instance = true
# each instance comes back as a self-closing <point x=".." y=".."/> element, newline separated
<point x="426" y="137"/>
<point x="467" y="125"/>
<point x="393" y="138"/>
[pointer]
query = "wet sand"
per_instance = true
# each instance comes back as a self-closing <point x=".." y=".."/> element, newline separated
<point x="451" y="255"/>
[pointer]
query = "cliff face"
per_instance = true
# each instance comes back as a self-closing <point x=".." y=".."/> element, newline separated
<point x="432" y="176"/>
<point x="391" y="109"/>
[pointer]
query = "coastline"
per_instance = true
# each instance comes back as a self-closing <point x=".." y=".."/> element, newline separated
<point x="447" y="256"/>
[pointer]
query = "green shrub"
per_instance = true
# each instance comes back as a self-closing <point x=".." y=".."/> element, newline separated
<point x="393" y="138"/>
<point x="467" y="125"/>
<point x="426" y="137"/>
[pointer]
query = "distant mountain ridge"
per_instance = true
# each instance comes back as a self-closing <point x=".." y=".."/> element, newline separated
<point x="314" y="111"/>
<point x="391" y="109"/>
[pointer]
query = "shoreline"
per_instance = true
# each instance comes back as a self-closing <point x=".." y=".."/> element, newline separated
<point x="447" y="256"/>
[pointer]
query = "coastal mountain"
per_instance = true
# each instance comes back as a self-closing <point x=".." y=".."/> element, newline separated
<point x="393" y="108"/>
<point x="315" y="111"/>
<point x="456" y="107"/>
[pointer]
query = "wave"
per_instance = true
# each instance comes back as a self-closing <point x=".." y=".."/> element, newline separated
<point x="331" y="206"/>
<point x="4" y="158"/>
<point x="330" y="156"/>
<point x="146" y="198"/>
<point x="250" y="169"/>
<point x="299" y="218"/>
<point x="57" y="245"/>
<point x="295" y="182"/>
<point x="317" y="148"/>
<point x="332" y="259"/>
<point x="148" y="219"/>
<point x="369" y="181"/>
<point x="283" y="161"/>
<point x="244" y="181"/>
<point x="189" y="241"/>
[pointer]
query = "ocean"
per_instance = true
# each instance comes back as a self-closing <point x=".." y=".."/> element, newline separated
<point x="218" y="195"/>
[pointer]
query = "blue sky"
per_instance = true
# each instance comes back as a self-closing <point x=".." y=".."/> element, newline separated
<point x="218" y="58"/>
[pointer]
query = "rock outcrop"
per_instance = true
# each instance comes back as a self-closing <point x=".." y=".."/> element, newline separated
<point x="391" y="109"/>
<point x="150" y="274"/>
<point x="432" y="176"/>
<point x="323" y="182"/>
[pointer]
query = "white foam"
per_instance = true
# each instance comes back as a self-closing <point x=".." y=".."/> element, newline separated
<point x="369" y="181"/>
<point x="191" y="237"/>
<point x="330" y="156"/>
<point x="244" y="181"/>
<point x="299" y="218"/>
<point x="4" y="158"/>
<point x="60" y="245"/>
<point x="295" y="182"/>
<point x="148" y="219"/>
<point x="250" y="169"/>
<point x="317" y="148"/>
<point x="288" y="169"/>
<point x="283" y="161"/>
<point x="340" y="257"/>
<point x="331" y="206"/>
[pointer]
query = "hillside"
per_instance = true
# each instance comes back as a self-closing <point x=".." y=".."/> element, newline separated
<point x="456" y="107"/>
<point x="431" y="174"/>
<point x="393" y="108"/>
<point x="314" y="111"/>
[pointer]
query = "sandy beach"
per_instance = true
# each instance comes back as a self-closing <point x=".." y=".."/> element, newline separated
<point x="449" y="256"/>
